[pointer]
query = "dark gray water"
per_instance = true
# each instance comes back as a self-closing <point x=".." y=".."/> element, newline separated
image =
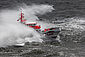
<point x="70" y="46"/>
<point x="63" y="8"/>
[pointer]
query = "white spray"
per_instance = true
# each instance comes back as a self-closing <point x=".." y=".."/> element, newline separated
<point x="13" y="32"/>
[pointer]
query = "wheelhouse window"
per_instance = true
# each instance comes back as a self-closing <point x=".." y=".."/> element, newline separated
<point x="32" y="24"/>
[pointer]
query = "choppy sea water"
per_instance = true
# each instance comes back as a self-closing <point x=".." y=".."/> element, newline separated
<point x="70" y="45"/>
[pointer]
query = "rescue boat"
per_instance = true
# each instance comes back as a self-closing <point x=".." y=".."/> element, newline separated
<point x="49" y="33"/>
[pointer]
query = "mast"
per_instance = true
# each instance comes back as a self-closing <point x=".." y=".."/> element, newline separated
<point x="21" y="17"/>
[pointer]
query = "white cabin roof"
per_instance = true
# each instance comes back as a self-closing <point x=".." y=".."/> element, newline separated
<point x="30" y="22"/>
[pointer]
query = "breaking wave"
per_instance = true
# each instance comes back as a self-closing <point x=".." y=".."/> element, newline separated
<point x="13" y="32"/>
<point x="74" y="23"/>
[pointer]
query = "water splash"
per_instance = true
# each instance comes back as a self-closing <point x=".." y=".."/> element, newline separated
<point x="13" y="32"/>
